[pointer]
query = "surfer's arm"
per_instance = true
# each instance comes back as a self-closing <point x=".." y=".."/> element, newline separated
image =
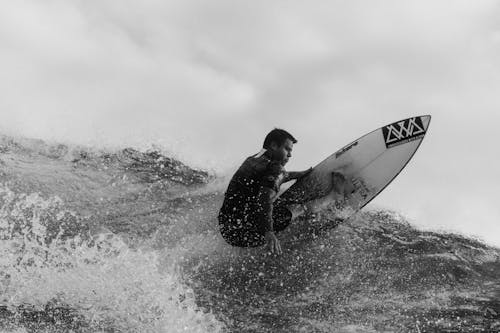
<point x="296" y="175"/>
<point x="266" y="205"/>
<point x="267" y="196"/>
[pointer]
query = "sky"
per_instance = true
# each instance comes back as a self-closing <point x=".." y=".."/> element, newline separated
<point x="206" y="80"/>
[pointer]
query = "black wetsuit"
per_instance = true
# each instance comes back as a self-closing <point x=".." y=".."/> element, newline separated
<point x="247" y="212"/>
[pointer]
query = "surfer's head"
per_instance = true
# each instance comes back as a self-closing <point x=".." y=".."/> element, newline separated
<point x="280" y="144"/>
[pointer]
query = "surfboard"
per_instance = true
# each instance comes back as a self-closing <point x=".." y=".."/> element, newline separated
<point x="369" y="164"/>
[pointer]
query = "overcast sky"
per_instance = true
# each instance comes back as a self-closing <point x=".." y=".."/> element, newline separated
<point x="208" y="79"/>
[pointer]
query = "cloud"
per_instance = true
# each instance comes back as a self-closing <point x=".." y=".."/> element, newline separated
<point x="72" y="69"/>
<point x="198" y="63"/>
<point x="209" y="79"/>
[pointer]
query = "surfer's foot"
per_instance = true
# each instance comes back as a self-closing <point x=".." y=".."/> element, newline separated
<point x="341" y="185"/>
<point x="298" y="210"/>
<point x="338" y="182"/>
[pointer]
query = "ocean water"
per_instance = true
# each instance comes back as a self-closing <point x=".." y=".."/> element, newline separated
<point x="95" y="240"/>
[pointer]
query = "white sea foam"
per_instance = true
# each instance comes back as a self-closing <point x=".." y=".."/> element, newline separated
<point x="100" y="279"/>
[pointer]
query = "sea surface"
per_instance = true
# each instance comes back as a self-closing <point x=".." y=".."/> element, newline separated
<point x="96" y="240"/>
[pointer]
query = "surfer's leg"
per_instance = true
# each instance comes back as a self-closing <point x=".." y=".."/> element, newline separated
<point x="246" y="233"/>
<point x="282" y="216"/>
<point x="234" y="233"/>
<point x="244" y="238"/>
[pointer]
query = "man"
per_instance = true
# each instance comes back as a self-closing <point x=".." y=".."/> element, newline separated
<point x="247" y="217"/>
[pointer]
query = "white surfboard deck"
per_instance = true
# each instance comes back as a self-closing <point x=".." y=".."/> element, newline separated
<point x="370" y="163"/>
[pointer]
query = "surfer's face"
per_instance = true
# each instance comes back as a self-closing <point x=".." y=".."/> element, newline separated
<point x="282" y="153"/>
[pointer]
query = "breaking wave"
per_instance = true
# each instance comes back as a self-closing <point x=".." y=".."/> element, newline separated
<point x="53" y="281"/>
<point x="127" y="241"/>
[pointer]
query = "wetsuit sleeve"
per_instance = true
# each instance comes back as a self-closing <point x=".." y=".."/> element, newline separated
<point x="266" y="205"/>
<point x="269" y="187"/>
<point x="272" y="176"/>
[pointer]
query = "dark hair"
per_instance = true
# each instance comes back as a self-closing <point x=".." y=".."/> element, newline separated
<point x="278" y="136"/>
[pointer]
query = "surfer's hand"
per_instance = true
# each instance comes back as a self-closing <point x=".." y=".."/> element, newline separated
<point x="305" y="173"/>
<point x="273" y="243"/>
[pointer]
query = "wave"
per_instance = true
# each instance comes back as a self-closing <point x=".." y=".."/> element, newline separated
<point x="94" y="282"/>
<point x="96" y="240"/>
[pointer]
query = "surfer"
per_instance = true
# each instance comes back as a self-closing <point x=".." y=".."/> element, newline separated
<point x="247" y="217"/>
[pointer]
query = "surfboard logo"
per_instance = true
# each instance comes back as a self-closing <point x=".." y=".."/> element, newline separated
<point x="403" y="132"/>
<point x="345" y="149"/>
